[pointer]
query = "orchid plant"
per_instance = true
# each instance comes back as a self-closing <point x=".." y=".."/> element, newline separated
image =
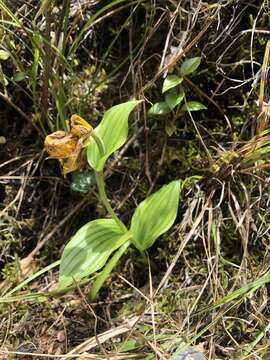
<point x="174" y="92"/>
<point x="99" y="244"/>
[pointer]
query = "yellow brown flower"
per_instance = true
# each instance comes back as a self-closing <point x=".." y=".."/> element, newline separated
<point x="66" y="146"/>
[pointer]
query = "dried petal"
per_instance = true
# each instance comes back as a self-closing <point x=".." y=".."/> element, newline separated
<point x="60" y="144"/>
<point x="67" y="146"/>
<point x="80" y="127"/>
<point x="70" y="164"/>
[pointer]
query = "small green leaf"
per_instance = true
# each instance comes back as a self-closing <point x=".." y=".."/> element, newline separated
<point x="131" y="344"/>
<point x="170" y="82"/>
<point x="3" y="79"/>
<point x="155" y="215"/>
<point x="89" y="249"/>
<point x="173" y="99"/>
<point x="193" y="106"/>
<point x="19" y="76"/>
<point x="160" y="108"/>
<point x="82" y="181"/>
<point x="4" y="55"/>
<point x="112" y="131"/>
<point x="190" y="65"/>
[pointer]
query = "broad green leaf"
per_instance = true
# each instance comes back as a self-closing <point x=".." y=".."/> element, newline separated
<point x="105" y="273"/>
<point x="160" y="108"/>
<point x="170" y="82"/>
<point x="112" y="131"/>
<point x="89" y="249"/>
<point x="4" y="55"/>
<point x="190" y="65"/>
<point x="173" y="99"/>
<point x="193" y="106"/>
<point x="155" y="215"/>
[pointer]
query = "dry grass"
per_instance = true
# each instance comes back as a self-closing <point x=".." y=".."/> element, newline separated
<point x="207" y="282"/>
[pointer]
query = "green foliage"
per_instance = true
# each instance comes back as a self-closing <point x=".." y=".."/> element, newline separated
<point x="89" y="249"/>
<point x="91" y="246"/>
<point x="190" y="65"/>
<point x="173" y="99"/>
<point x="20" y="76"/>
<point x="193" y="106"/>
<point x="170" y="82"/>
<point x="155" y="215"/>
<point x="47" y="75"/>
<point x="112" y="131"/>
<point x="131" y="344"/>
<point x="108" y="268"/>
<point x="160" y="108"/>
<point x="45" y="63"/>
<point x="175" y="94"/>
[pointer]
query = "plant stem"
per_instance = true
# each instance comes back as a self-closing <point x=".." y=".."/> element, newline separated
<point x="101" y="184"/>
<point x="103" y="197"/>
<point x="108" y="269"/>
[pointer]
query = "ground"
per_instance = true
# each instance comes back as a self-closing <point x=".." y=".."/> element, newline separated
<point x="205" y="282"/>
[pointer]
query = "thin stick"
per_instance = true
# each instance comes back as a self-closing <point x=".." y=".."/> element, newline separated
<point x="262" y="120"/>
<point x="46" y="64"/>
<point x="264" y="74"/>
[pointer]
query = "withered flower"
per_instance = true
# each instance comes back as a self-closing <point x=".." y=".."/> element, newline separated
<point x="66" y="146"/>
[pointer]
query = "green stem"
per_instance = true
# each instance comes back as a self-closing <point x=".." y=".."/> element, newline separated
<point x="103" y="197"/>
<point x="101" y="184"/>
<point x="144" y="257"/>
<point x="108" y="269"/>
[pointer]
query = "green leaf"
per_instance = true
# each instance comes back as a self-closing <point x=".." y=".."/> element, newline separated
<point x="105" y="273"/>
<point x="3" y="79"/>
<point x="4" y="55"/>
<point x="19" y="76"/>
<point x="131" y="344"/>
<point x="170" y="82"/>
<point x="112" y="131"/>
<point x="155" y="215"/>
<point x="89" y="249"/>
<point x="193" y="106"/>
<point x="190" y="65"/>
<point x="82" y="181"/>
<point x="160" y="108"/>
<point x="173" y="99"/>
